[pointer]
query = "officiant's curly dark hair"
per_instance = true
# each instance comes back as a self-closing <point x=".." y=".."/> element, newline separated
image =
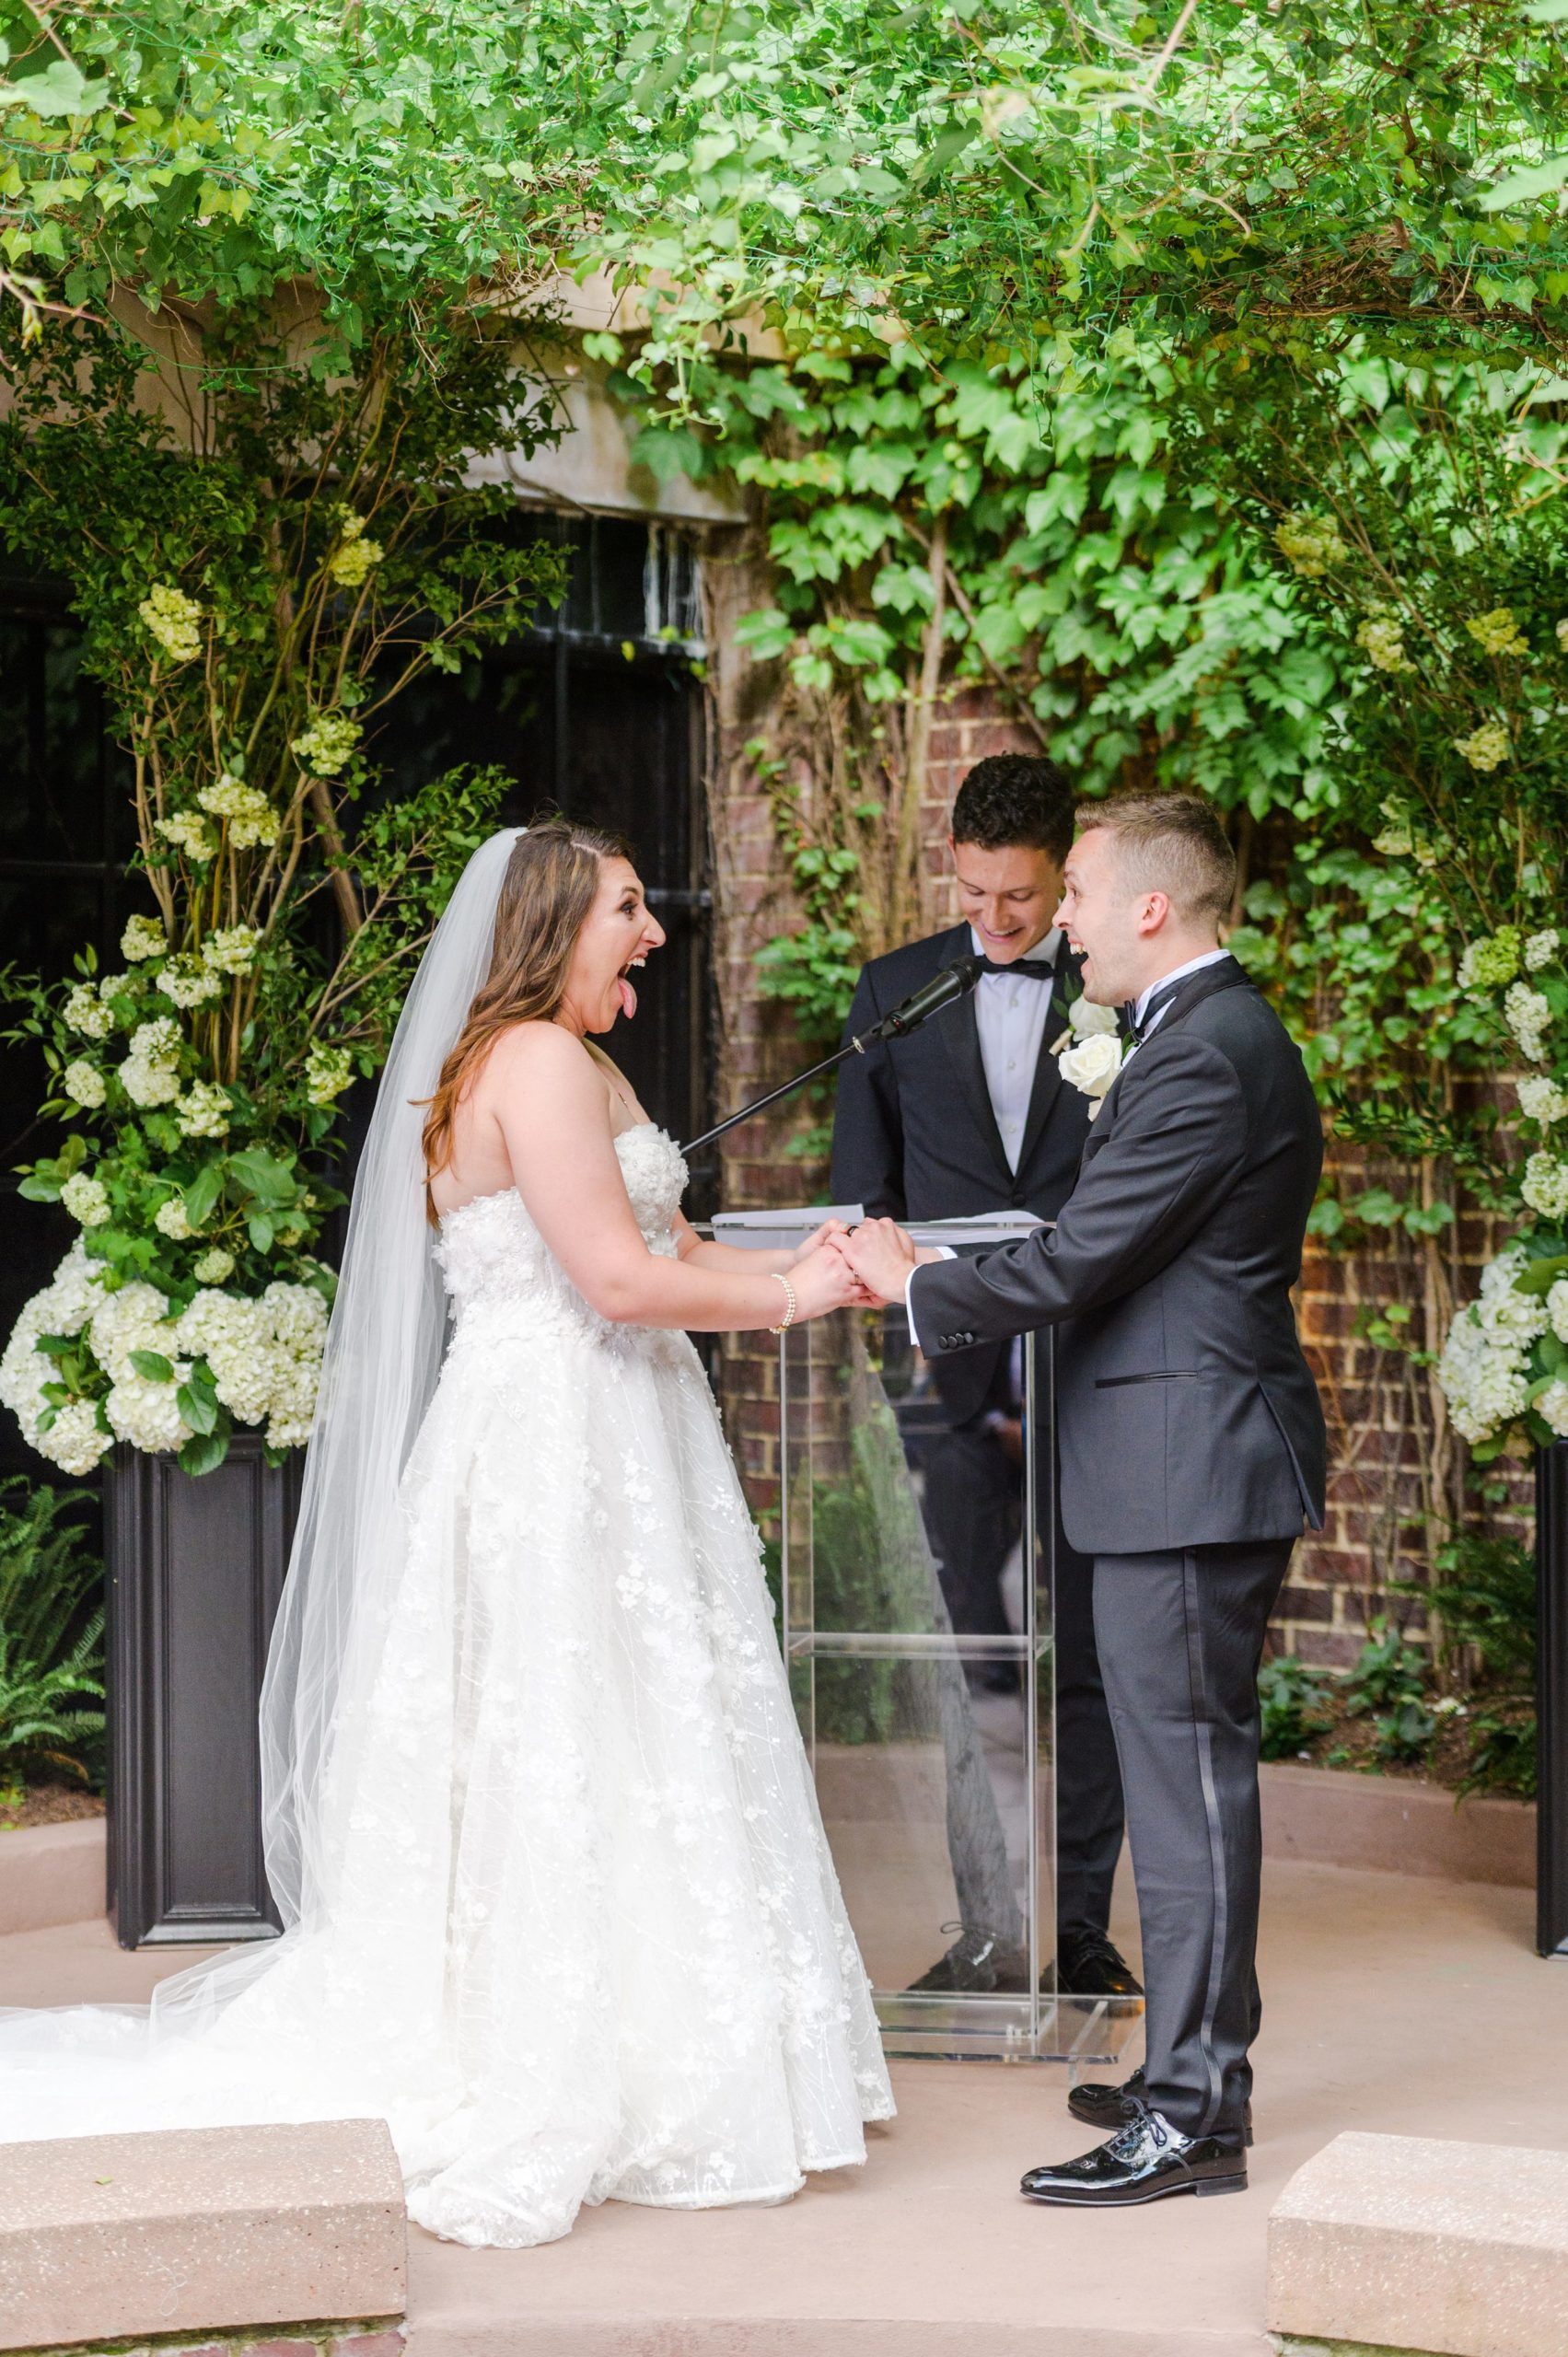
<point x="546" y="893"/>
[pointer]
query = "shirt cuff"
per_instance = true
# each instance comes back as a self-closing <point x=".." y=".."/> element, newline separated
<point x="946" y="1252"/>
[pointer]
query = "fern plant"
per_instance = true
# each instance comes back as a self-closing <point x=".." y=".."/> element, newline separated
<point x="51" y="1662"/>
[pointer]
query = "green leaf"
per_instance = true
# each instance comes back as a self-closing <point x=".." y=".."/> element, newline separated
<point x="154" y="1365"/>
<point x="203" y="1192"/>
<point x="261" y="1231"/>
<point x="1535" y="180"/>
<point x="198" y="1407"/>
<point x="60" y="88"/>
<point x="262" y="1175"/>
<point x="204" y="1454"/>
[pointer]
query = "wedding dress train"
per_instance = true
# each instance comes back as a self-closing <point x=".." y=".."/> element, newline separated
<point x="586" y="1941"/>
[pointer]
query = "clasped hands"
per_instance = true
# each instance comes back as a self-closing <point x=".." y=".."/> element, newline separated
<point x="864" y="1267"/>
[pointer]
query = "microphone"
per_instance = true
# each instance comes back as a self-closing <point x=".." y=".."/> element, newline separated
<point x="939" y="991"/>
<point x="952" y="982"/>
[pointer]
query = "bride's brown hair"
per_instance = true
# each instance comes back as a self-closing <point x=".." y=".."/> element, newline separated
<point x="546" y="894"/>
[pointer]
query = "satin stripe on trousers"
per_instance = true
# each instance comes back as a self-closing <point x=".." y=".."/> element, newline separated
<point x="1181" y="1635"/>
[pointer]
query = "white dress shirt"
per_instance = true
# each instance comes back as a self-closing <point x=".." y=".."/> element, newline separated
<point x="1047" y="949"/>
<point x="1010" y="1013"/>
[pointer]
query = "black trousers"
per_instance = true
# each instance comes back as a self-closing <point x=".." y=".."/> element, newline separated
<point x="1180" y="1638"/>
<point x="973" y="1509"/>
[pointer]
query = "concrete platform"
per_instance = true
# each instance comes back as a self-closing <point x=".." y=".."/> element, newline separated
<point x="1406" y="2005"/>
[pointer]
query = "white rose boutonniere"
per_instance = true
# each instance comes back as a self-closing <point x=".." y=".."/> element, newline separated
<point x="1092" y="1063"/>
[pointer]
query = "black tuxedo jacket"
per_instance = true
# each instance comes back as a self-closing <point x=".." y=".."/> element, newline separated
<point x="1187" y="1414"/>
<point x="914" y="1136"/>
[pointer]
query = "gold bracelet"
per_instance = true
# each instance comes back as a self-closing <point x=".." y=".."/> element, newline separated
<point x="788" y="1318"/>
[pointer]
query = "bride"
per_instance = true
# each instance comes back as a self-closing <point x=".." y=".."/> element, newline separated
<point x="557" y="1900"/>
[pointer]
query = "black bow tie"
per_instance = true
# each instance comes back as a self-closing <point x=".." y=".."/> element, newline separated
<point x="1033" y="969"/>
<point x="1137" y="1031"/>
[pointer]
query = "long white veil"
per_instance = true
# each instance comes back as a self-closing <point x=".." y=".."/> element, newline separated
<point x="382" y="1358"/>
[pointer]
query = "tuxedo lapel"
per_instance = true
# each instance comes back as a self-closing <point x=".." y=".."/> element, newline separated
<point x="961" y="1037"/>
<point x="1048" y="1070"/>
<point x="1226" y="974"/>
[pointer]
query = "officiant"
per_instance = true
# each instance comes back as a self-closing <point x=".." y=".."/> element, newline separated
<point x="967" y="1115"/>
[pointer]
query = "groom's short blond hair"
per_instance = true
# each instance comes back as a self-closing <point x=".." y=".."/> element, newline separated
<point x="1171" y="843"/>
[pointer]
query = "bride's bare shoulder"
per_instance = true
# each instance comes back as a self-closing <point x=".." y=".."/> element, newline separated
<point x="545" y="1056"/>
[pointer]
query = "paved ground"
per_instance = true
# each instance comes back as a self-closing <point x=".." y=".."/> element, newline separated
<point x="1393" y="2002"/>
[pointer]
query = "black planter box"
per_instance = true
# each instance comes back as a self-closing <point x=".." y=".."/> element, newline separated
<point x="195" y="1567"/>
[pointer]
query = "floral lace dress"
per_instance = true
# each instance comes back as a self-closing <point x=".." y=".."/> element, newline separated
<point x="587" y="1941"/>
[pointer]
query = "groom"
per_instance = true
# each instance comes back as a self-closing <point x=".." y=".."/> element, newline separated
<point x="1192" y="1446"/>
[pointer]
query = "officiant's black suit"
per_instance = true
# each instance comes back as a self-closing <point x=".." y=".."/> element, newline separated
<point x="1193" y="1452"/>
<point x="915" y="1137"/>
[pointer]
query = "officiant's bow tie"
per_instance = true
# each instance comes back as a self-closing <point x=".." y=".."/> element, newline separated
<point x="1033" y="969"/>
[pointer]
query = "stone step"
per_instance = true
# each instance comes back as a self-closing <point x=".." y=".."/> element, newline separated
<point x="52" y="1874"/>
<point x="199" y="2230"/>
<point x="1421" y="2242"/>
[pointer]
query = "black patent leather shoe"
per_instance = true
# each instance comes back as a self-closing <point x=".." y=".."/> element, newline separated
<point x="1087" y="1966"/>
<point x="977" y="1965"/>
<point x="1100" y="2104"/>
<point x="1145" y="2160"/>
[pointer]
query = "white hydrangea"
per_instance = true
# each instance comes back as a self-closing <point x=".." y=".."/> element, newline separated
<point x="328" y="1071"/>
<point x="325" y="747"/>
<point x="115" y="986"/>
<point x="226" y="1332"/>
<point x="150" y="1074"/>
<point x="1542" y="1100"/>
<point x="83" y="1082"/>
<point x="1486" y="1384"/>
<point x="231" y="949"/>
<point x="1527" y="1013"/>
<point x="354" y="555"/>
<point x="86" y="1199"/>
<point x="143" y="938"/>
<point x="189" y="981"/>
<point x="73" y="1441"/>
<point x="204" y="1110"/>
<point x="145" y="1412"/>
<point x="174" y="619"/>
<point x="1557" y="1308"/>
<point x="213" y="1266"/>
<point x="169" y="1219"/>
<point x="1506" y="1316"/>
<point x="134" y="1318"/>
<point x="1540" y="950"/>
<point x="1552" y="1404"/>
<point x="190" y="833"/>
<point x="86" y="1012"/>
<point x="249" y="816"/>
<point x="297" y="1316"/>
<point x="1545" y="1185"/>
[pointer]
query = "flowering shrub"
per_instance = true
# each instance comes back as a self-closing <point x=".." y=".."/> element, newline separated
<point x="246" y="623"/>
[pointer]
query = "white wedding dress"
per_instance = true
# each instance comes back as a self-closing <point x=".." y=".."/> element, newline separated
<point x="586" y="1941"/>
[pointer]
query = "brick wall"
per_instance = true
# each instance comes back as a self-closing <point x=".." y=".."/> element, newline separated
<point x="1386" y="1446"/>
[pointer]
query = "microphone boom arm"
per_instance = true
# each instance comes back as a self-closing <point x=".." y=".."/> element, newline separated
<point x="952" y="982"/>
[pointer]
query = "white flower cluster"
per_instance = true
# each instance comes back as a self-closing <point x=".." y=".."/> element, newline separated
<point x="1540" y="950"/>
<point x="1486" y="747"/>
<point x="249" y="816"/>
<point x="1497" y="633"/>
<point x="1553" y="1405"/>
<point x="86" y="1199"/>
<point x="1542" y="1100"/>
<point x="203" y="1111"/>
<point x="170" y="1219"/>
<point x="1526" y="1012"/>
<point x="86" y="1012"/>
<point x="1310" y="544"/>
<point x="150" y="1074"/>
<point x="83" y="1082"/>
<point x="1557" y="1309"/>
<point x="143" y="938"/>
<point x="328" y="1071"/>
<point x="74" y="1440"/>
<point x="265" y="1355"/>
<point x="1091" y="1065"/>
<point x="1484" y="1369"/>
<point x="1545" y="1185"/>
<point x="324" y="747"/>
<point x="356" y="554"/>
<point x="190" y="833"/>
<point x="231" y="949"/>
<point x="1381" y="639"/>
<point x="174" y="619"/>
<point x="189" y="981"/>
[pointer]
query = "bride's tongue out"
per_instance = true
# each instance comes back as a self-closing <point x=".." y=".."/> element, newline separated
<point x="627" y="996"/>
